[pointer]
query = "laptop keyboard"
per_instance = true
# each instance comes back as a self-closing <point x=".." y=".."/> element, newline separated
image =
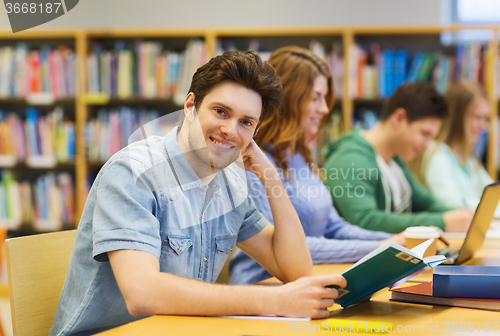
<point x="449" y="252"/>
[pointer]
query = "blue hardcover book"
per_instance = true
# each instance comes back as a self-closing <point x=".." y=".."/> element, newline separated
<point x="416" y="64"/>
<point x="32" y="131"/>
<point x="466" y="281"/>
<point x="71" y="142"/>
<point x="442" y="74"/>
<point x="459" y="61"/>
<point x="389" y="73"/>
<point x="400" y="65"/>
<point x="381" y="75"/>
<point x="387" y="265"/>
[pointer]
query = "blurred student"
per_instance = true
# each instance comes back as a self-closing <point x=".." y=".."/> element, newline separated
<point x="450" y="169"/>
<point x="368" y="179"/>
<point x="307" y="102"/>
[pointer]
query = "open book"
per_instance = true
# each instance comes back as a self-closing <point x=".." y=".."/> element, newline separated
<point x="390" y="264"/>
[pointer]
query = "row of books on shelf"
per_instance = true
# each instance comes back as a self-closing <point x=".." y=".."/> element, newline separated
<point x="114" y="129"/>
<point x="46" y="203"/>
<point x="48" y="70"/>
<point x="335" y="61"/>
<point x="37" y="140"/>
<point x="334" y="58"/>
<point x="143" y="69"/>
<point x="377" y="73"/>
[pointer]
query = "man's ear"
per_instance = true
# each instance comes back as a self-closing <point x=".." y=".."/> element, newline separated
<point x="189" y="107"/>
<point x="399" y="116"/>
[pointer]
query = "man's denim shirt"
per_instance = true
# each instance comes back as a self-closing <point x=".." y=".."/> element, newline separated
<point x="147" y="197"/>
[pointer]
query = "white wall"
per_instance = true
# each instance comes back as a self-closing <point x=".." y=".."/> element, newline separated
<point x="247" y="13"/>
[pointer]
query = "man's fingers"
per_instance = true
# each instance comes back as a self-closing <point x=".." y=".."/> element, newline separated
<point x="444" y="239"/>
<point x="321" y="314"/>
<point x="330" y="293"/>
<point x="334" y="279"/>
<point x="325" y="303"/>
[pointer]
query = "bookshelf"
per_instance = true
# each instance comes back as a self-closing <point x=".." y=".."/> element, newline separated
<point x="37" y="130"/>
<point x="83" y="107"/>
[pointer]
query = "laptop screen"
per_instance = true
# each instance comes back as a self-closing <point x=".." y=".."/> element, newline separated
<point x="480" y="223"/>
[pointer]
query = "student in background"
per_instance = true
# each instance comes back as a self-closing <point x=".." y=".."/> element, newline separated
<point x="368" y="179"/>
<point x="307" y="102"/>
<point x="450" y="169"/>
<point x="164" y="213"/>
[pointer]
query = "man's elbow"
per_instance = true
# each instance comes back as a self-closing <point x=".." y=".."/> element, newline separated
<point x="304" y="271"/>
<point x="139" y="307"/>
<point x="139" y="301"/>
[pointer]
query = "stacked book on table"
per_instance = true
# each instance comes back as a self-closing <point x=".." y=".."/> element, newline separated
<point x="457" y="286"/>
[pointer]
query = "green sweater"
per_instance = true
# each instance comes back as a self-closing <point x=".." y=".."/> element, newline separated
<point x="355" y="183"/>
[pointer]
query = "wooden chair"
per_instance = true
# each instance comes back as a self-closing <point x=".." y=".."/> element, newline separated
<point x="36" y="267"/>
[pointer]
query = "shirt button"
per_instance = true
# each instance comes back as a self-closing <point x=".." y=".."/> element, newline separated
<point x="205" y="259"/>
<point x="231" y="249"/>
<point x="203" y="216"/>
<point x="216" y="186"/>
<point x="180" y="249"/>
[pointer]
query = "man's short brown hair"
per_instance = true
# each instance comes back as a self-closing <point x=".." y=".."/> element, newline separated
<point x="244" y="68"/>
<point x="419" y="99"/>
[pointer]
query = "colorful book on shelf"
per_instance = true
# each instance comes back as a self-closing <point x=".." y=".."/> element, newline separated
<point x="425" y="71"/>
<point x="354" y="53"/>
<point x="422" y="293"/>
<point x="416" y="64"/>
<point x="400" y="65"/>
<point x="388" y="265"/>
<point x="48" y="70"/>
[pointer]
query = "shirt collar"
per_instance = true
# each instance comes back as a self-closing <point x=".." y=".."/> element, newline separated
<point x="183" y="171"/>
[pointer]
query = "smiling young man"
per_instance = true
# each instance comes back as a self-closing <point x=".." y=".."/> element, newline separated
<point x="366" y="174"/>
<point x="164" y="214"/>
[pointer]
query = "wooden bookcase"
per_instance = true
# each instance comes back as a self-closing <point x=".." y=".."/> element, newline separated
<point x="410" y="38"/>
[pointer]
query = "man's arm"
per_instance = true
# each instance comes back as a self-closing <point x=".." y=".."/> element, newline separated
<point x="282" y="250"/>
<point x="147" y="291"/>
<point x="356" y="197"/>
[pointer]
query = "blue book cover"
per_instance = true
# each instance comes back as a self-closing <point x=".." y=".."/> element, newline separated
<point x="389" y="73"/>
<point x="416" y="64"/>
<point x="400" y="65"/>
<point x="71" y="142"/>
<point x="459" y="61"/>
<point x="466" y="281"/>
<point x="44" y="61"/>
<point x="32" y="130"/>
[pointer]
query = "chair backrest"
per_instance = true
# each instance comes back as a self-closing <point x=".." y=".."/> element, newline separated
<point x="36" y="267"/>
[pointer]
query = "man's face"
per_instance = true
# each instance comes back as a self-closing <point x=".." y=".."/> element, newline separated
<point x="415" y="137"/>
<point x="224" y="124"/>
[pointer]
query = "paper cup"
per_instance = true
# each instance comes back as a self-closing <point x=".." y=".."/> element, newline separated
<point x="416" y="235"/>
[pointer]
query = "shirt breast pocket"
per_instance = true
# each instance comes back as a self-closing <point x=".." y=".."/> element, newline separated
<point x="176" y="252"/>
<point x="224" y="245"/>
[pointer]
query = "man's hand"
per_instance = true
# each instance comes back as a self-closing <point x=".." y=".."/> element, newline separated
<point x="441" y="236"/>
<point x="308" y="296"/>
<point x="400" y="239"/>
<point x="256" y="161"/>
<point x="458" y="220"/>
<point x="397" y="238"/>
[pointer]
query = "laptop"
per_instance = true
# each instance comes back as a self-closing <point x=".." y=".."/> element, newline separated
<point x="477" y="230"/>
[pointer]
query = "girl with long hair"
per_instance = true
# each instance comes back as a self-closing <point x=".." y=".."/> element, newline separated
<point x="449" y="168"/>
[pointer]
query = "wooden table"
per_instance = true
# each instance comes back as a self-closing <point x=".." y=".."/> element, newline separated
<point x="409" y="319"/>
